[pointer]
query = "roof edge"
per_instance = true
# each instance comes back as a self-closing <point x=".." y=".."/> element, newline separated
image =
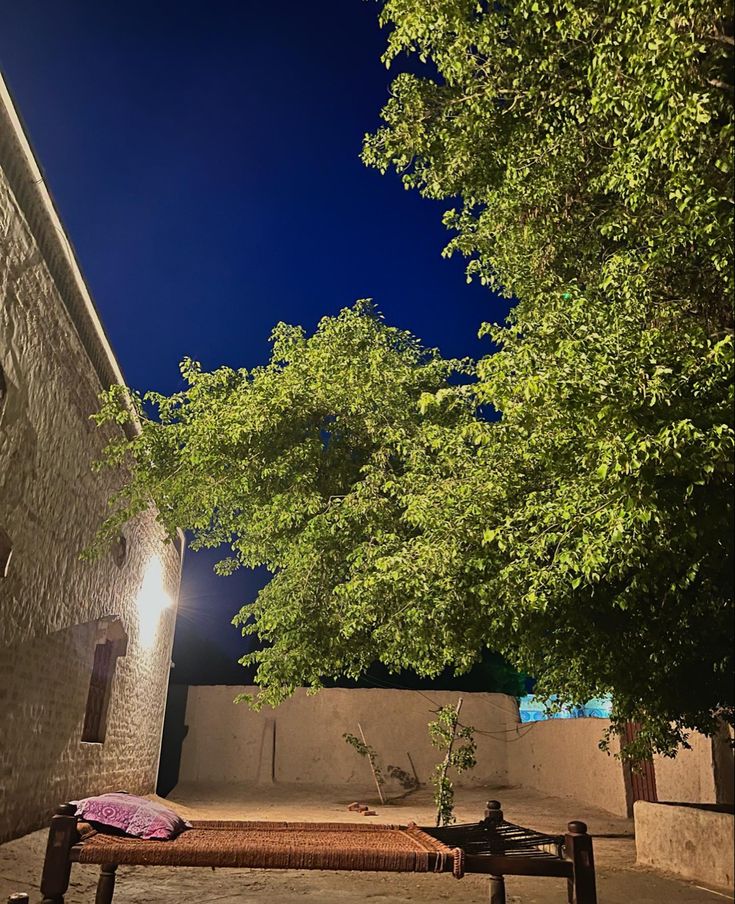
<point x="34" y="198"/>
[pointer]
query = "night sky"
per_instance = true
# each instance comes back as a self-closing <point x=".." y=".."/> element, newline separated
<point x="204" y="158"/>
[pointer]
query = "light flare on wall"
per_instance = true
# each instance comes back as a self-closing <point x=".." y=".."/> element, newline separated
<point x="152" y="601"/>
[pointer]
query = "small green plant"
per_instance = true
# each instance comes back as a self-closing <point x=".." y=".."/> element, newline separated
<point x="364" y="749"/>
<point x="459" y="745"/>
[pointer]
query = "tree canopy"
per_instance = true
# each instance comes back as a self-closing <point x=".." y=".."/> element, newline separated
<point x="309" y="466"/>
<point x="588" y="143"/>
<point x="586" y="530"/>
<point x="589" y="146"/>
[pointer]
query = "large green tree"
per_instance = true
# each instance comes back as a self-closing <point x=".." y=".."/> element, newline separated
<point x="309" y="466"/>
<point x="585" y="531"/>
<point x="589" y="146"/>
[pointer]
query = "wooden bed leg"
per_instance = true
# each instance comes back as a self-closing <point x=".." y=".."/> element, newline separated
<point x="57" y="865"/>
<point x="497" y="890"/>
<point x="582" y="888"/>
<point x="106" y="884"/>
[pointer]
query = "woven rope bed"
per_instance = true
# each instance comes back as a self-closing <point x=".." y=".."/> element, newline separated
<point x="491" y="846"/>
<point x="280" y="845"/>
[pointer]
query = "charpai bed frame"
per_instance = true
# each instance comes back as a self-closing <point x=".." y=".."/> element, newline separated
<point x="492" y="846"/>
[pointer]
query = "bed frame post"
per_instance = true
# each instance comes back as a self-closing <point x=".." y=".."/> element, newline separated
<point x="578" y="843"/>
<point x="106" y="884"/>
<point x="493" y="817"/>
<point x="57" y="865"/>
<point x="493" y="814"/>
<point x="497" y="890"/>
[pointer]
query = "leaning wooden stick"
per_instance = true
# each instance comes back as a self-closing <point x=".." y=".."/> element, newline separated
<point x="413" y="768"/>
<point x="447" y="758"/>
<point x="372" y="766"/>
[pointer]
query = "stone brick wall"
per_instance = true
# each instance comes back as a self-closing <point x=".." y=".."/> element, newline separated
<point x="55" y="359"/>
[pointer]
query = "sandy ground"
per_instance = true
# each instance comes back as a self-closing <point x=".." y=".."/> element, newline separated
<point x="619" y="880"/>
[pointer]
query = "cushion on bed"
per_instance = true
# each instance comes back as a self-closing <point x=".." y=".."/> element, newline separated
<point x="133" y="815"/>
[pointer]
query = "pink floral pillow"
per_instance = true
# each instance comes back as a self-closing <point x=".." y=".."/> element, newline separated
<point x="132" y="815"/>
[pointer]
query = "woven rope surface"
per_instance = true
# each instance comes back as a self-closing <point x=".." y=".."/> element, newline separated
<point x="501" y="839"/>
<point x="281" y="845"/>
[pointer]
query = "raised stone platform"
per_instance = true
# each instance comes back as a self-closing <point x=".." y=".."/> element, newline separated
<point x="694" y="841"/>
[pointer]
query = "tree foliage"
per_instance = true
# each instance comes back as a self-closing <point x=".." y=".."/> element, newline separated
<point x="589" y="147"/>
<point x="588" y="142"/>
<point x="310" y="466"/>
<point x="586" y="532"/>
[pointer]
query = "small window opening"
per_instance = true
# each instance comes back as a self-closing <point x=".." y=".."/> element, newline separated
<point x="100" y="684"/>
<point x="6" y="553"/>
<point x="120" y="551"/>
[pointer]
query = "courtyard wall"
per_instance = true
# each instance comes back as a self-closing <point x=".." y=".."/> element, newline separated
<point x="690" y="776"/>
<point x="302" y="740"/>
<point x="562" y="758"/>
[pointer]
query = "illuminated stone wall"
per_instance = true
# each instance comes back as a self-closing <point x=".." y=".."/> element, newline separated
<point x="54" y="608"/>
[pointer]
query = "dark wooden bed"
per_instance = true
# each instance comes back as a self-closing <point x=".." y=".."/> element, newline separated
<point x="491" y="846"/>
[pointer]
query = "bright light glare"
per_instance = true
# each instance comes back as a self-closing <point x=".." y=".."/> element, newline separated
<point x="152" y="600"/>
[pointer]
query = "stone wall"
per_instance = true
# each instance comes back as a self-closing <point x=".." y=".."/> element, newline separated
<point x="301" y="741"/>
<point x="696" y="843"/>
<point x="689" y="777"/>
<point x="53" y="606"/>
<point x="562" y="758"/>
<point x="703" y="773"/>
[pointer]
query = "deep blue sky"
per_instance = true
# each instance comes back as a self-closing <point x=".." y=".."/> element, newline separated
<point x="204" y="158"/>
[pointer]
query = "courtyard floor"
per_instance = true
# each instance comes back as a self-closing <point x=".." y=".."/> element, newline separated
<point x="619" y="881"/>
